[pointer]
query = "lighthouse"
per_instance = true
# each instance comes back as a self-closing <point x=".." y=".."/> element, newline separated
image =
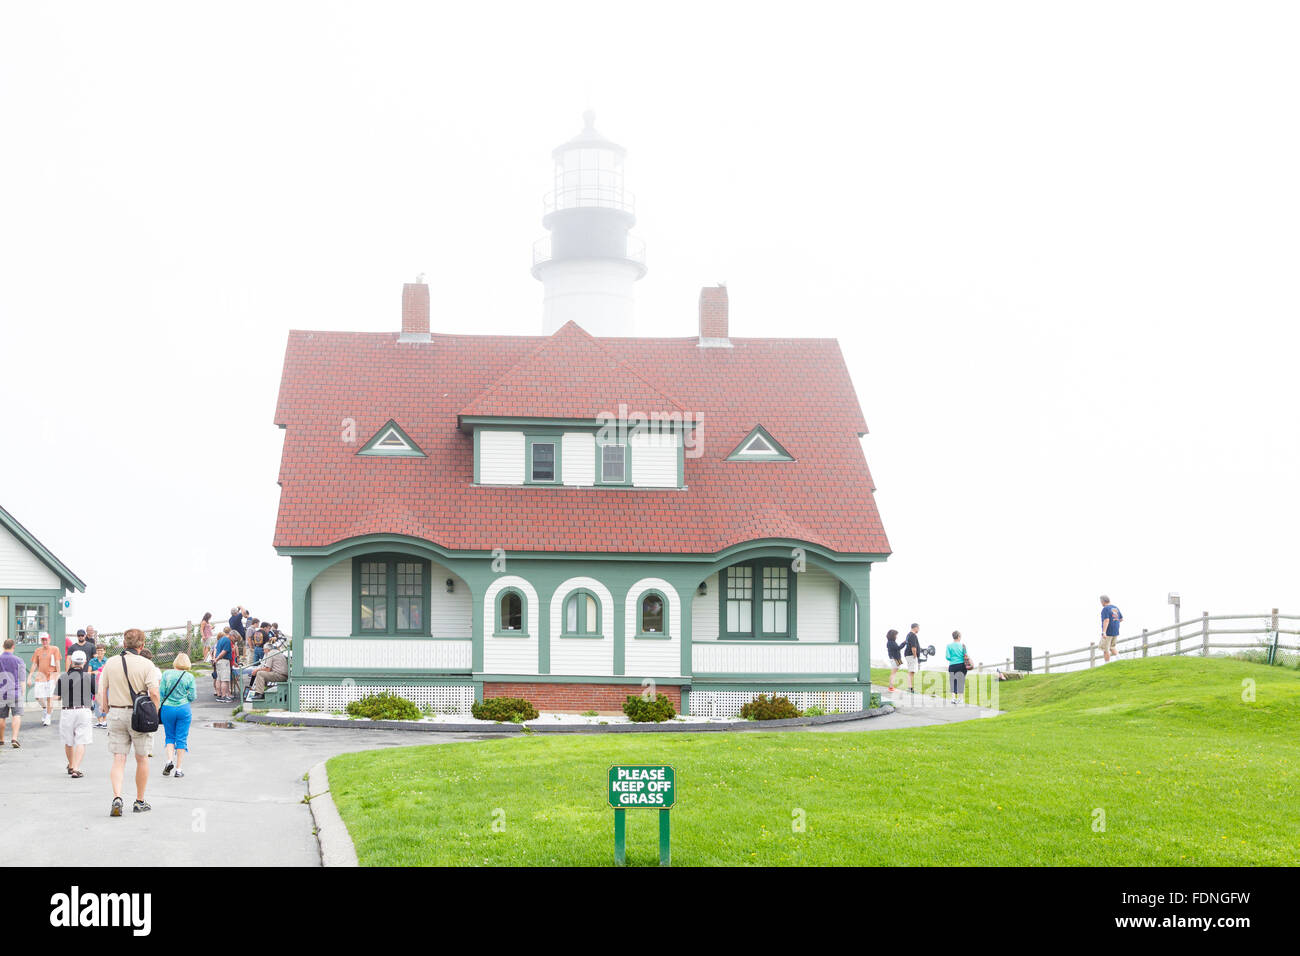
<point x="589" y="260"/>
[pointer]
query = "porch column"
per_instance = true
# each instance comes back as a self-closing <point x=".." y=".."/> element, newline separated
<point x="305" y="570"/>
<point x="859" y="581"/>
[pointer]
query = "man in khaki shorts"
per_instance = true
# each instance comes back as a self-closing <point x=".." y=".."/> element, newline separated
<point x="115" y="690"/>
<point x="1110" y="619"/>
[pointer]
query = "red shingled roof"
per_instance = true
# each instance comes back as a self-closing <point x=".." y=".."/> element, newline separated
<point x="570" y="375"/>
<point x="797" y="389"/>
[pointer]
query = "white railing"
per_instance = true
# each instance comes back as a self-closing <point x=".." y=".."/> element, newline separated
<point x="1196" y="636"/>
<point x="773" y="657"/>
<point x="410" y="654"/>
<point x="589" y="195"/>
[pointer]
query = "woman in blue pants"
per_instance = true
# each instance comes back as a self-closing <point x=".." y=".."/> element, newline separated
<point x="176" y="691"/>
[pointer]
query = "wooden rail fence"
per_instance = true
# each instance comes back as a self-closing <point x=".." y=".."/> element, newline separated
<point x="1196" y="636"/>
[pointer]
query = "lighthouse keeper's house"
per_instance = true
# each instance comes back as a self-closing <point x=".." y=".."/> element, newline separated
<point x="569" y="517"/>
<point x="564" y="517"/>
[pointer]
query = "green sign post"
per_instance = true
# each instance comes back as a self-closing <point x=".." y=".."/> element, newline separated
<point x="644" y="788"/>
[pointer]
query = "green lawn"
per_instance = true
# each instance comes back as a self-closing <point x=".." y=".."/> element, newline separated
<point x="1185" y="770"/>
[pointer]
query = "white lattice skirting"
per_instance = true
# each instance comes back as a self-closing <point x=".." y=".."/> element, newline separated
<point x="727" y="703"/>
<point x="443" y="698"/>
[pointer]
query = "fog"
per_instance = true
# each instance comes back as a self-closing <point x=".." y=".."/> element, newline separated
<point x="1057" y="245"/>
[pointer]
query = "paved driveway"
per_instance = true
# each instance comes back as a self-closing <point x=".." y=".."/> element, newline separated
<point x="240" y="801"/>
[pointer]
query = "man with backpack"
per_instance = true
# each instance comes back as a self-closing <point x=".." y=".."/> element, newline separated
<point x="128" y="684"/>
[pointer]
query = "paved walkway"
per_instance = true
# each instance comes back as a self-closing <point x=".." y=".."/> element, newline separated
<point x="911" y="710"/>
<point x="240" y="801"/>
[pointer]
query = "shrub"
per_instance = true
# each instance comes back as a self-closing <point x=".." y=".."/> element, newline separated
<point x="763" y="707"/>
<point x="384" y="706"/>
<point x="875" y="700"/>
<point x="640" y="710"/>
<point x="513" y="709"/>
<point x="814" y="711"/>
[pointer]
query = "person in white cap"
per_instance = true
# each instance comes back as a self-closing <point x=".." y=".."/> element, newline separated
<point x="76" y="689"/>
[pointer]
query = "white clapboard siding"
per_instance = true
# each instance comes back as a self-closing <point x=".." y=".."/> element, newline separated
<point x="817" y="606"/>
<point x="500" y="457"/>
<point x="649" y="657"/>
<point x="704" y="612"/>
<point x="654" y="459"/>
<point x="331" y="601"/>
<point x="450" y="615"/>
<point x="510" y="655"/>
<point x="586" y="656"/>
<point x="578" y="458"/>
<point x="777" y="658"/>
<point x="398" y="654"/>
<point x="19" y="568"/>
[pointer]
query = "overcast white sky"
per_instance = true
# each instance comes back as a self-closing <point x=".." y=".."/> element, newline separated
<point x="1057" y="242"/>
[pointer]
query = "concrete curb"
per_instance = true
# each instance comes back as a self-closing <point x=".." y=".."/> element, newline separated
<point x="336" y="847"/>
<point x="544" y="728"/>
<point x="257" y="717"/>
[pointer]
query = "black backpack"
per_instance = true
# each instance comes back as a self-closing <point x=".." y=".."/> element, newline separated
<point x="144" y="715"/>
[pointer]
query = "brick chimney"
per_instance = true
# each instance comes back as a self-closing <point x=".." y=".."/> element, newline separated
<point x="415" y="311"/>
<point x="713" y="317"/>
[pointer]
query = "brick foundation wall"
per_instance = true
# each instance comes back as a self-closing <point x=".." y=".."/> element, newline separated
<point x="576" y="698"/>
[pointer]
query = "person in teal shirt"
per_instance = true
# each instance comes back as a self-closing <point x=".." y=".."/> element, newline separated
<point x="956" y="656"/>
<point x="176" y="691"/>
<point x="94" y="666"/>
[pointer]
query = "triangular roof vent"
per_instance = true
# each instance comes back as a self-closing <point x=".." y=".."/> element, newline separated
<point x="758" y="445"/>
<point x="391" y="442"/>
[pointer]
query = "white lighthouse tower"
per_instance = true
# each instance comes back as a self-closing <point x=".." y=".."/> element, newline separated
<point x="589" y="262"/>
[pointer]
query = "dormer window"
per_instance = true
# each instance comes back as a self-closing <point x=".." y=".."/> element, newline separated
<point x="543" y="459"/>
<point x="391" y="442"/>
<point x="758" y="445"/>
<point x="611" y="463"/>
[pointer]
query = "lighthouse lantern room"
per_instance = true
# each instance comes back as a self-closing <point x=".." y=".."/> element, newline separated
<point x="589" y="260"/>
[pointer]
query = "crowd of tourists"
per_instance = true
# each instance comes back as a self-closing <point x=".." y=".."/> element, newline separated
<point x="258" y="645"/>
<point x="95" y="691"/>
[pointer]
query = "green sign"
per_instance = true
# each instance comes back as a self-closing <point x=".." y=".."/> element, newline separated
<point x="649" y="788"/>
<point x="642" y="788"/>
<point x="1024" y="658"/>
